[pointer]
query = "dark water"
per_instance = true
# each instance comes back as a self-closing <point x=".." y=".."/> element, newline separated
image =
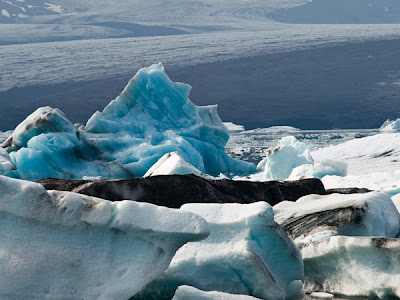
<point x="349" y="86"/>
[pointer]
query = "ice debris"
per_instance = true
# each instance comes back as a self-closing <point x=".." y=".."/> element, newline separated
<point x="353" y="266"/>
<point x="320" y="169"/>
<point x="63" y="245"/>
<point x="283" y="158"/>
<point x="246" y="253"/>
<point x="318" y="217"/>
<point x="6" y="165"/>
<point x="291" y="159"/>
<point x="321" y="295"/>
<point x="153" y="116"/>
<point x="185" y="292"/>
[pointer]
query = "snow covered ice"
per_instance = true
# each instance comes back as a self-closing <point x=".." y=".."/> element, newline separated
<point x="349" y="242"/>
<point x="232" y="127"/>
<point x="62" y="245"/>
<point x="353" y="266"/>
<point x="373" y="163"/>
<point x="171" y="164"/>
<point x="152" y="117"/>
<point x="316" y="217"/>
<point x="282" y="159"/>
<point x="247" y="253"/>
<point x="389" y="126"/>
<point x="185" y="292"/>
<point x="291" y="159"/>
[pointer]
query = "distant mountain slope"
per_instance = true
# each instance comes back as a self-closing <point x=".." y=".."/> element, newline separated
<point x="194" y="11"/>
<point x="21" y="11"/>
<point x="342" y="12"/>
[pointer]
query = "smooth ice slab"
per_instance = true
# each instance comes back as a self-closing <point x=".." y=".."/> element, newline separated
<point x="185" y="292"/>
<point x="62" y="245"/>
<point x="353" y="266"/>
<point x="317" y="217"/>
<point x="153" y="116"/>
<point x="246" y="253"/>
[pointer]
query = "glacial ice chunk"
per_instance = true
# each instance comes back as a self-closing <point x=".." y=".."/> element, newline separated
<point x="321" y="295"/>
<point x="185" y="292"/>
<point x="44" y="120"/>
<point x="63" y="245"/>
<point x="246" y="253"/>
<point x="291" y="159"/>
<point x="391" y="126"/>
<point x="232" y="127"/>
<point x="153" y="116"/>
<point x="172" y="164"/>
<point x="320" y="169"/>
<point x="396" y="201"/>
<point x="6" y="165"/>
<point x="318" y="217"/>
<point x="353" y="266"/>
<point x="283" y="158"/>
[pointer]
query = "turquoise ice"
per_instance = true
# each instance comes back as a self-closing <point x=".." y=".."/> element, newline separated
<point x="152" y="116"/>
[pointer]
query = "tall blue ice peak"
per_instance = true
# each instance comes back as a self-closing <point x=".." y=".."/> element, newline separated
<point x="151" y="117"/>
<point x="150" y="96"/>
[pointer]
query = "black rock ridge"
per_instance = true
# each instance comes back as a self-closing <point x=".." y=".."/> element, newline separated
<point x="175" y="190"/>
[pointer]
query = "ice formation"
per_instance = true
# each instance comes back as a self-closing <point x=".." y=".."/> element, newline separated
<point x="353" y="266"/>
<point x="152" y="116"/>
<point x="321" y="295"/>
<point x="185" y="292"/>
<point x="391" y="125"/>
<point x="58" y="245"/>
<point x="372" y="154"/>
<point x="320" y="169"/>
<point x="372" y="163"/>
<point x="6" y="165"/>
<point x="232" y="127"/>
<point x="292" y="159"/>
<point x="318" y="217"/>
<point x="172" y="164"/>
<point x="246" y="253"/>
<point x="396" y="201"/>
<point x="282" y="159"/>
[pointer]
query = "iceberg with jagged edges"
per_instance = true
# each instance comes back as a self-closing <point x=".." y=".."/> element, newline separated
<point x="153" y="116"/>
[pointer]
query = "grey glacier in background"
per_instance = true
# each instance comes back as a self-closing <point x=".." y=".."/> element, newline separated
<point x="271" y="67"/>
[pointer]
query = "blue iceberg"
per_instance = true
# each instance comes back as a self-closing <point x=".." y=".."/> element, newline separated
<point x="153" y="116"/>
